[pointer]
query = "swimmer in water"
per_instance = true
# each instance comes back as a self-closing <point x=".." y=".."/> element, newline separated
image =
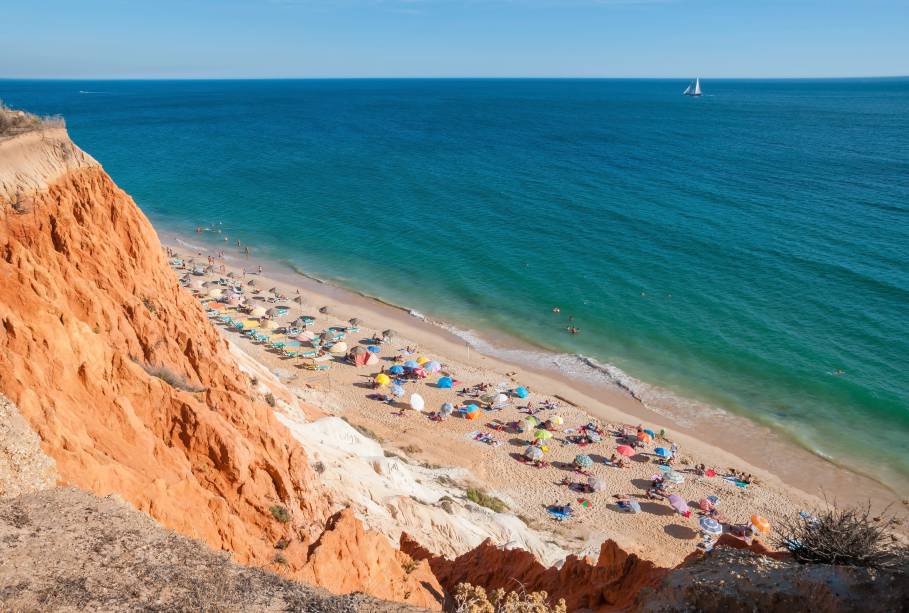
<point x="556" y="310"/>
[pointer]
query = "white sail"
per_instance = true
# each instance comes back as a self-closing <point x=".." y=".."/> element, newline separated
<point x="697" y="87"/>
<point x="687" y="91"/>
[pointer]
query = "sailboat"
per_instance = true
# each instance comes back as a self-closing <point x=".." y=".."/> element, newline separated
<point x="693" y="89"/>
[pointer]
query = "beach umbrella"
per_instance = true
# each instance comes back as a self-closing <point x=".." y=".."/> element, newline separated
<point x="596" y="484"/>
<point x="417" y="403"/>
<point x="397" y="369"/>
<point x="674" y="477"/>
<point x="215" y="293"/>
<point x="556" y="420"/>
<point x="644" y="437"/>
<point x="533" y="453"/>
<point x="710" y="526"/>
<point x="663" y="452"/>
<point x="387" y="334"/>
<point x="421" y="360"/>
<point x="383" y="379"/>
<point x="521" y="392"/>
<point x="373" y="348"/>
<point x="650" y="432"/>
<point x="372" y="359"/>
<point x="353" y="321"/>
<point x="593" y="437"/>
<point x="396" y="390"/>
<point x="625" y="450"/>
<point x="532" y="420"/>
<point x="410" y="364"/>
<point x="542" y="435"/>
<point x="257" y="312"/>
<point x="432" y="366"/>
<point x="678" y="503"/>
<point x="760" y="524"/>
<point x="447" y="409"/>
<point x="338" y="348"/>
<point x="501" y="398"/>
<point x="445" y="382"/>
<point x="583" y="461"/>
<point x="305" y="336"/>
<point x="268" y="324"/>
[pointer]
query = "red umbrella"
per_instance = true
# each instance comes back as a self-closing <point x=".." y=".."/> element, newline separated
<point x="625" y="450"/>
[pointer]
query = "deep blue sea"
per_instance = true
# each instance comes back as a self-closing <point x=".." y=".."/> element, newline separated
<point x="747" y="250"/>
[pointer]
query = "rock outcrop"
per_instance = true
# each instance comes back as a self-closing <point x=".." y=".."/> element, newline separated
<point x="610" y="584"/>
<point x="735" y="579"/>
<point x="131" y="389"/>
<point x="66" y="550"/>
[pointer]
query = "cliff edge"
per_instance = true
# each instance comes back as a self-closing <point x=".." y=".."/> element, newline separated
<point x="132" y="391"/>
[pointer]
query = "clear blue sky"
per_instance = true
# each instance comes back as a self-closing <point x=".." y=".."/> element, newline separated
<point x="344" y="38"/>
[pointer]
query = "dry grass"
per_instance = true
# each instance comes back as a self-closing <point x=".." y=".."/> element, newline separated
<point x="13" y="122"/>
<point x="171" y="378"/>
<point x="473" y="599"/>
<point x="843" y="537"/>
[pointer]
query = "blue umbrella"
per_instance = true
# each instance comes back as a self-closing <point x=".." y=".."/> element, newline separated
<point x="711" y="526"/>
<point x="373" y="349"/>
<point x="447" y="409"/>
<point x="470" y="408"/>
<point x="663" y="452"/>
<point x="411" y="364"/>
<point x="445" y="382"/>
<point x="521" y="392"/>
<point x="396" y="390"/>
<point x="396" y="370"/>
<point x="584" y="461"/>
<point x="650" y="432"/>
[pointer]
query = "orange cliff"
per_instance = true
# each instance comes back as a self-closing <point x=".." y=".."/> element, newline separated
<point x="612" y="583"/>
<point x="93" y="324"/>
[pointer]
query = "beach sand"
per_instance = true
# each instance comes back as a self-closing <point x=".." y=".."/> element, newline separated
<point x="788" y="478"/>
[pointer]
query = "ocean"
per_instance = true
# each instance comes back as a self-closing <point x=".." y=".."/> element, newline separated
<point x="744" y="252"/>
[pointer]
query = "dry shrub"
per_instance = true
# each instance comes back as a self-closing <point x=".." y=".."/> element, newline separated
<point x="843" y="537"/>
<point x="473" y="599"/>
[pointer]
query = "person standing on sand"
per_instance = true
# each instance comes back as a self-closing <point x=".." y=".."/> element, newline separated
<point x="260" y="270"/>
<point x="246" y="251"/>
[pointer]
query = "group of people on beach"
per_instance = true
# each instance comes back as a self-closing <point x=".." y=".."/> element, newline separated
<point x="637" y="439"/>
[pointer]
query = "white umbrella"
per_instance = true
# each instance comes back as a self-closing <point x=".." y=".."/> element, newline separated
<point x="416" y="402"/>
<point x="258" y="312"/>
<point x="338" y="348"/>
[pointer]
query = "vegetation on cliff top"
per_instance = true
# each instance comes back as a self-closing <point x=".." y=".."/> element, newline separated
<point x="13" y="122"/>
<point x="843" y="537"/>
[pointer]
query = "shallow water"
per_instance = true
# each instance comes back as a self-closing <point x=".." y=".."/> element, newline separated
<point x="733" y="251"/>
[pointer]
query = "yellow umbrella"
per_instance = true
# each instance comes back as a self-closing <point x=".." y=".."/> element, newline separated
<point x="421" y="360"/>
<point x="258" y="312"/>
<point x="383" y="379"/>
<point x="557" y="420"/>
<point x="250" y="324"/>
<point x="542" y="435"/>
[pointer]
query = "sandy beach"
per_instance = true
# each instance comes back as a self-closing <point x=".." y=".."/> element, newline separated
<point x="787" y="478"/>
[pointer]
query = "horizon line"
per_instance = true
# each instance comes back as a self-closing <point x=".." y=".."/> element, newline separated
<point x="453" y="78"/>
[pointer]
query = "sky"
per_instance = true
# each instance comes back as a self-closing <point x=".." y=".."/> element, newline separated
<point x="453" y="38"/>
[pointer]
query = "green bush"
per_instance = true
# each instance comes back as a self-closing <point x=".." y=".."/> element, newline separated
<point x="485" y="500"/>
<point x="280" y="513"/>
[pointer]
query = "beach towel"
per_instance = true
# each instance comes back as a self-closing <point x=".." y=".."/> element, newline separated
<point x="483" y="437"/>
<point x="738" y="483"/>
<point x="558" y="514"/>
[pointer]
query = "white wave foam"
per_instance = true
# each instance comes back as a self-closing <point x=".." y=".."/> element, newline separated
<point x="584" y="368"/>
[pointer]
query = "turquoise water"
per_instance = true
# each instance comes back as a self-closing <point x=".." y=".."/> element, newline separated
<point x="736" y="250"/>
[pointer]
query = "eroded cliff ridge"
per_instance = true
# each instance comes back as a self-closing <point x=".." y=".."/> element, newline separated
<point x="133" y="392"/>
